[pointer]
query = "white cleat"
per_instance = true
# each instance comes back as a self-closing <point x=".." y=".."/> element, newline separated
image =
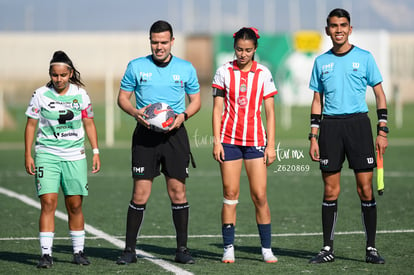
<point x="228" y="255"/>
<point x="268" y="255"/>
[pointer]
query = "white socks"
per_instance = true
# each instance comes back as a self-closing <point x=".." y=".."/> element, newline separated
<point x="46" y="242"/>
<point x="78" y="240"/>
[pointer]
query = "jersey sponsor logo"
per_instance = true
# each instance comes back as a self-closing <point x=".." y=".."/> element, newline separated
<point x="63" y="135"/>
<point x="176" y="77"/>
<point x="242" y="101"/>
<point x="370" y="160"/>
<point x="67" y="105"/>
<point x="355" y="65"/>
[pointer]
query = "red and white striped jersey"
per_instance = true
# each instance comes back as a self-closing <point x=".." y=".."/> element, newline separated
<point x="241" y="122"/>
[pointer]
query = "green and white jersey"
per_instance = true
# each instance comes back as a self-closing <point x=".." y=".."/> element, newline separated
<point x="60" y="133"/>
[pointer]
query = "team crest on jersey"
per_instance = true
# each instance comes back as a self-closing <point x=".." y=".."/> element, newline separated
<point x="243" y="88"/>
<point x="75" y="104"/>
<point x="242" y="101"/>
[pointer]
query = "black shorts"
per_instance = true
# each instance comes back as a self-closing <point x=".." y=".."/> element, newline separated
<point x="350" y="136"/>
<point x="152" y="150"/>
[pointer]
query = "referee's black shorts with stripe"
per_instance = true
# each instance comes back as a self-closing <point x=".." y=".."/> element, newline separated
<point x="152" y="150"/>
<point x="347" y="136"/>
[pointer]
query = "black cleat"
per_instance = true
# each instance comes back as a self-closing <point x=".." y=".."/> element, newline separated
<point x="373" y="257"/>
<point x="80" y="259"/>
<point x="127" y="257"/>
<point x="182" y="255"/>
<point x="326" y="255"/>
<point x="46" y="261"/>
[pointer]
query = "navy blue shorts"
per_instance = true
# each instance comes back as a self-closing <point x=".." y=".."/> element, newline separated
<point x="233" y="152"/>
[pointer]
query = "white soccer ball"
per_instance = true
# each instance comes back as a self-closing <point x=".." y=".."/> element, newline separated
<point x="160" y="116"/>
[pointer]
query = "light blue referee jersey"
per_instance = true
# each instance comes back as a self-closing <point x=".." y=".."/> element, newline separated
<point x="342" y="80"/>
<point x="168" y="84"/>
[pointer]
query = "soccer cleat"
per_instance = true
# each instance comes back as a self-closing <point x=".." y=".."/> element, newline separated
<point x="80" y="259"/>
<point x="46" y="261"/>
<point x="373" y="257"/>
<point x="268" y="255"/>
<point x="182" y="255"/>
<point x="228" y="255"/>
<point x="326" y="255"/>
<point x="127" y="257"/>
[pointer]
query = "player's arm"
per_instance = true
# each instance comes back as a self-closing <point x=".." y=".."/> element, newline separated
<point x="90" y="130"/>
<point x="29" y="134"/>
<point x="316" y="113"/>
<point x="381" y="141"/>
<point x="124" y="102"/>
<point x="218" y="103"/>
<point x="192" y="108"/>
<point x="270" y="153"/>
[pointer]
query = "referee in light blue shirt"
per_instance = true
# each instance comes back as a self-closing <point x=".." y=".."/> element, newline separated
<point x="159" y="77"/>
<point x="339" y="112"/>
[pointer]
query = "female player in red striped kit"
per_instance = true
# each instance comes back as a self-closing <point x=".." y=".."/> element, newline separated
<point x="239" y="89"/>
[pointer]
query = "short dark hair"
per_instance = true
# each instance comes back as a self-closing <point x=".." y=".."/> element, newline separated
<point x="338" y="13"/>
<point x="161" y="26"/>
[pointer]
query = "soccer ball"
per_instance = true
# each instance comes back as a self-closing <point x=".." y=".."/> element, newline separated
<point x="160" y="116"/>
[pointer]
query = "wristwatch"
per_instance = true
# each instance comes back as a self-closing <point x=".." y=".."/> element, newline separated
<point x="382" y="128"/>
<point x="185" y="116"/>
<point x="312" y="136"/>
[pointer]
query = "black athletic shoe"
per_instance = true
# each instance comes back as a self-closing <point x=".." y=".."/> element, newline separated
<point x="80" y="259"/>
<point x="127" y="257"/>
<point x="326" y="255"/>
<point x="182" y="255"/>
<point x="46" y="261"/>
<point x="373" y="257"/>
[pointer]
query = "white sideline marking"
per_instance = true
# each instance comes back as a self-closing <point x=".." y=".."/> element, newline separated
<point x="305" y="234"/>
<point x="100" y="234"/>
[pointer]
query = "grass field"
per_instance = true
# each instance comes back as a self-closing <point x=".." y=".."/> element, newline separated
<point x="294" y="197"/>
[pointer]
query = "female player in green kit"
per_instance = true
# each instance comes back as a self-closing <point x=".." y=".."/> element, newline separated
<point x="62" y="112"/>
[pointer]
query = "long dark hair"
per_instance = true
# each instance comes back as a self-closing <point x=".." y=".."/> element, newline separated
<point x="247" y="34"/>
<point x="62" y="57"/>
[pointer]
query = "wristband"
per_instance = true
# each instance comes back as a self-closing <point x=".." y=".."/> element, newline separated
<point x="313" y="136"/>
<point x="185" y="116"/>
<point x="382" y="115"/>
<point x="95" y="151"/>
<point x="315" y="120"/>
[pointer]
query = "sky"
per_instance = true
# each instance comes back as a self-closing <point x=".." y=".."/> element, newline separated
<point x="199" y="16"/>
